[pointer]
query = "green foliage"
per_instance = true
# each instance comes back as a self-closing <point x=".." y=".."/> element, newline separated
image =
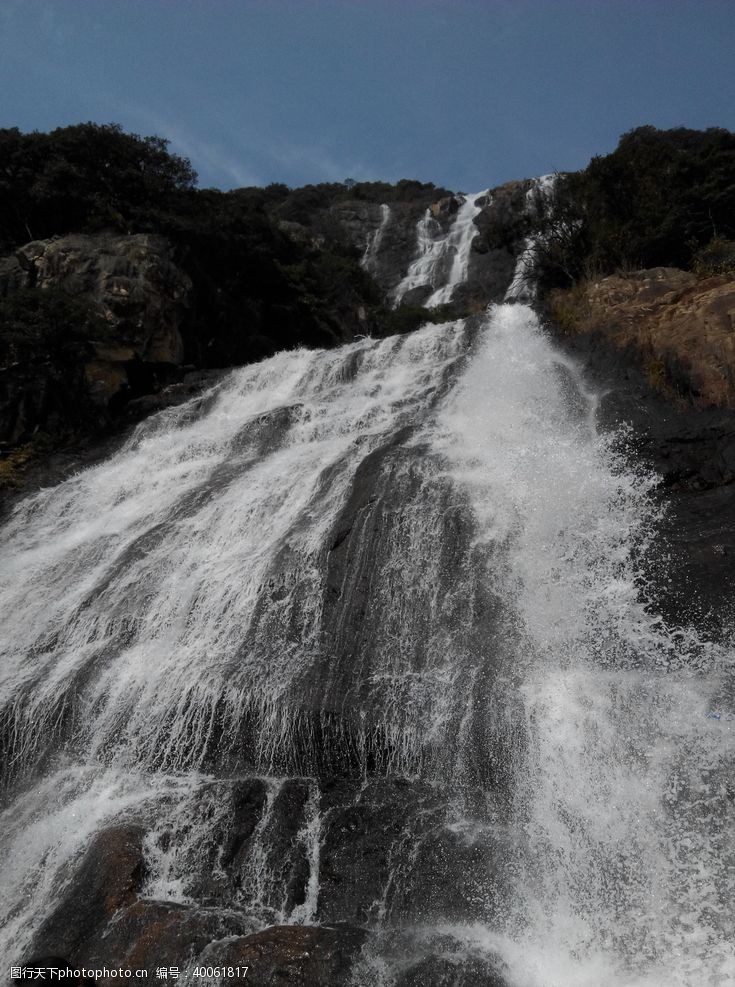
<point x="658" y="199"/>
<point x="39" y="324"/>
<point x="717" y="257"/>
<point x="85" y="178"/>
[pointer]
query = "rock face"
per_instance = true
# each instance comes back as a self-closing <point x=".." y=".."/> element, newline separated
<point x="102" y="920"/>
<point x="692" y="449"/>
<point x="387" y="243"/>
<point x="659" y="345"/>
<point x="133" y="283"/>
<point x="679" y="328"/>
<point x="128" y="282"/>
<point x="387" y="235"/>
<point x="290" y="954"/>
<point x="107" y="879"/>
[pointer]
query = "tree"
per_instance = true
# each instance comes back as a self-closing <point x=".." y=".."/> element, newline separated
<point x="85" y="177"/>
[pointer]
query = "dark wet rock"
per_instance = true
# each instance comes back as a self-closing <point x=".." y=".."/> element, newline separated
<point x="360" y="222"/>
<point x="692" y="570"/>
<point x="308" y="956"/>
<point x="374" y="825"/>
<point x="249" y="799"/>
<point x="287" y="853"/>
<point x="436" y="971"/>
<point x="151" y="934"/>
<point x="108" y="878"/>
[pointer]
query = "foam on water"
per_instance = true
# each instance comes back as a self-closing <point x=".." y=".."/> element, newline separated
<point x="621" y="791"/>
<point x="375" y="239"/>
<point x="168" y="607"/>
<point x="442" y="259"/>
<point x="132" y="593"/>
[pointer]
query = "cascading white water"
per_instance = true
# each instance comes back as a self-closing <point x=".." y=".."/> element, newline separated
<point x="626" y="873"/>
<point x="167" y="607"/>
<point x="375" y="239"/>
<point x="442" y="259"/>
<point x="457" y="245"/>
<point x="175" y="600"/>
<point x="523" y="285"/>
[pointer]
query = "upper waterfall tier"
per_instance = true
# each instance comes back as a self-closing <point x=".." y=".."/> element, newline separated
<point x="442" y="258"/>
<point x="458" y="248"/>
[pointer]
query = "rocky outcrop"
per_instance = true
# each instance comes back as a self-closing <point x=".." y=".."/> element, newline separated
<point x="103" y="919"/>
<point x="361" y="222"/>
<point x="502" y="225"/>
<point x="108" y="878"/>
<point x="310" y="956"/>
<point x="659" y="347"/>
<point x="679" y="328"/>
<point x="58" y="392"/>
<point x="689" y="447"/>
<point x="132" y="282"/>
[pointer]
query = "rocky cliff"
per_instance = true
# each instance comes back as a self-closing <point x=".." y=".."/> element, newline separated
<point x="678" y="327"/>
<point x="161" y="307"/>
<point x="376" y="649"/>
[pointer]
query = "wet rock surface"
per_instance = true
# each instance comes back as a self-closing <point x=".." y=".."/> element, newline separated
<point x="692" y="450"/>
<point x="436" y="971"/>
<point x="151" y="934"/>
<point x="307" y="956"/>
<point x="108" y="878"/>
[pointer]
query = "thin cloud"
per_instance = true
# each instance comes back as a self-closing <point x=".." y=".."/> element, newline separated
<point x="203" y="154"/>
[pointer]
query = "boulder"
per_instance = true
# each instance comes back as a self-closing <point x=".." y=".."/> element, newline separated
<point x="151" y="934"/>
<point x="446" y="206"/>
<point x="679" y="328"/>
<point x="108" y="878"/>
<point x="436" y="971"/>
<point x="132" y="281"/>
<point x="133" y="284"/>
<point x="293" y="955"/>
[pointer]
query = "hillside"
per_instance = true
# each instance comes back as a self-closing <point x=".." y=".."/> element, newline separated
<point x="123" y="286"/>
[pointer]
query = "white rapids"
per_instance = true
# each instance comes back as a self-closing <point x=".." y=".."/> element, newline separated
<point x="442" y="259"/>
<point x="171" y="601"/>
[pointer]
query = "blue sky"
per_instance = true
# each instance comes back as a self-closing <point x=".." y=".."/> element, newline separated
<point x="464" y="93"/>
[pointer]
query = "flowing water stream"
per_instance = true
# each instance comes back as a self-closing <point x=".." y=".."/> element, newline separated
<point x="413" y="561"/>
<point x="442" y="258"/>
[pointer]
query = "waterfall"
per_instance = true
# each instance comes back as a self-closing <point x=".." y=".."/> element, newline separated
<point x="626" y="873"/>
<point x="375" y="239"/>
<point x="458" y="244"/>
<point x="393" y="590"/>
<point x="442" y="259"/>
<point x="523" y="285"/>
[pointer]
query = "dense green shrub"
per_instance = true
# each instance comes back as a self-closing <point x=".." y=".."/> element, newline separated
<point x="717" y="257"/>
<point x="41" y="324"/>
<point x="83" y="178"/>
<point x="658" y="199"/>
